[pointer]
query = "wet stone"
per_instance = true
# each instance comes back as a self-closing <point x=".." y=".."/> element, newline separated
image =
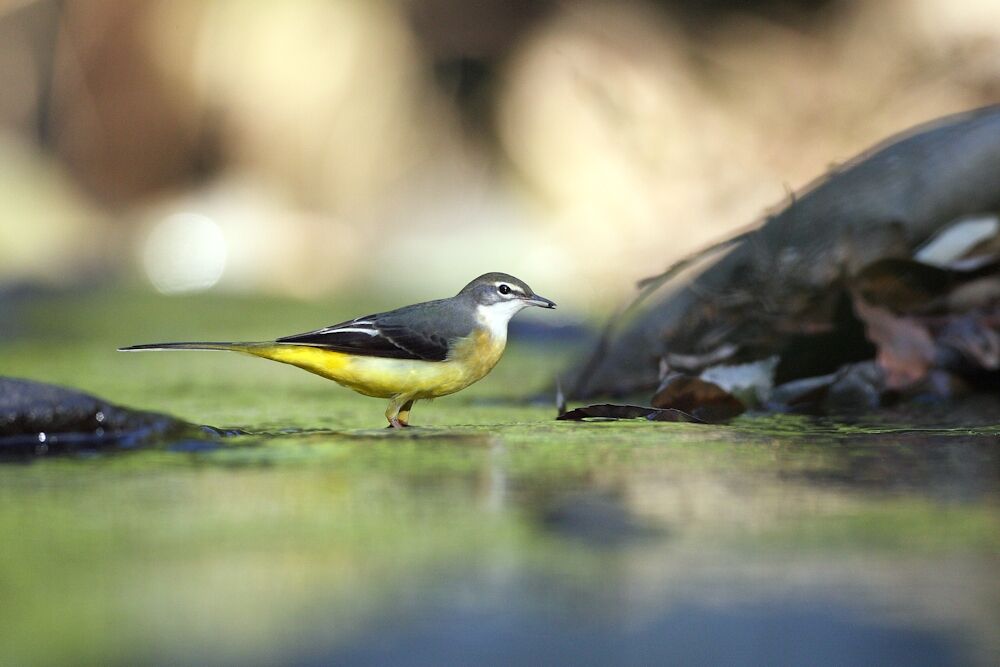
<point x="38" y="419"/>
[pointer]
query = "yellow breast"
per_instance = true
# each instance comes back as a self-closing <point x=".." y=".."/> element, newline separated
<point x="469" y="361"/>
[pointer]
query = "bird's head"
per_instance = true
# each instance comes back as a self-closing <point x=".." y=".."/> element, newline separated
<point x="503" y="294"/>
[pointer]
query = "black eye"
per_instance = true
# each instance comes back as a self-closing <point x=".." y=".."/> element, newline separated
<point x="504" y="289"/>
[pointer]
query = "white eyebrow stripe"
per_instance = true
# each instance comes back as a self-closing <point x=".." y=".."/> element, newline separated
<point x="513" y="288"/>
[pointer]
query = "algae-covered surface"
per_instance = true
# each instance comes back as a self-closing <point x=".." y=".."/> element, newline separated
<point x="489" y="534"/>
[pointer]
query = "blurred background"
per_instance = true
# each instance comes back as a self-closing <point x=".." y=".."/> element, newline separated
<point x="314" y="148"/>
<point x="227" y="169"/>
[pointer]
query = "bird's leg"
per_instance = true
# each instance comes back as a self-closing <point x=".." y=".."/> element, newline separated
<point x="403" y="416"/>
<point x="398" y="411"/>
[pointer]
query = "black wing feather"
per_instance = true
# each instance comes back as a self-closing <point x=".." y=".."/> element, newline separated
<point x="422" y="345"/>
<point x="382" y="335"/>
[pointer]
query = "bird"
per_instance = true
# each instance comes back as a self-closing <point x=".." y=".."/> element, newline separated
<point x="416" y="352"/>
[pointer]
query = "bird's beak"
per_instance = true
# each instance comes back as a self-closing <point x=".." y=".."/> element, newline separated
<point x="541" y="301"/>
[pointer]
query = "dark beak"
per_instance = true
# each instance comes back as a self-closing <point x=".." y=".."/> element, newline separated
<point x="541" y="301"/>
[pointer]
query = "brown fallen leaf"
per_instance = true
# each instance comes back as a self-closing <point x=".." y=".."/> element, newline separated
<point x="703" y="399"/>
<point x="906" y="350"/>
<point x="907" y="286"/>
<point x="611" y="412"/>
<point x="903" y="285"/>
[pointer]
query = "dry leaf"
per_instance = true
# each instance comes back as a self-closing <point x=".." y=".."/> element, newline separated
<point x="705" y="400"/>
<point x="905" y="348"/>
<point x="610" y="412"/>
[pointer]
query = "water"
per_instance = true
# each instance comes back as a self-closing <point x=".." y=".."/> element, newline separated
<point x="491" y="534"/>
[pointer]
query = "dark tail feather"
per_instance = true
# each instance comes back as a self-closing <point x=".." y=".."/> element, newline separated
<point x="238" y="347"/>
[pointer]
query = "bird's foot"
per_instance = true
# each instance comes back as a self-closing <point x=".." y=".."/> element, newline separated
<point x="397" y="423"/>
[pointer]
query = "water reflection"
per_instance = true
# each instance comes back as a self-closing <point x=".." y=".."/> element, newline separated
<point x="774" y="632"/>
<point x="773" y="541"/>
<point x="946" y="467"/>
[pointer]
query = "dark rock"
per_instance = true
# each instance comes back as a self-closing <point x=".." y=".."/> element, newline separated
<point x="38" y="418"/>
<point x="786" y="276"/>
<point x="855" y="389"/>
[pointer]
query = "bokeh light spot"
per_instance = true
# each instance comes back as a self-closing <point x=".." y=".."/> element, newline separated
<point x="186" y="252"/>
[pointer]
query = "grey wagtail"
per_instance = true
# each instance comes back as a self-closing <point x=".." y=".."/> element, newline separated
<point x="421" y="351"/>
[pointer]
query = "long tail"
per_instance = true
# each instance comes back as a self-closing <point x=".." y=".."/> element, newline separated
<point x="327" y="363"/>
<point x="235" y="347"/>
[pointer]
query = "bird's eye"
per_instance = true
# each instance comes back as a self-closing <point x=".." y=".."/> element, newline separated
<point x="504" y="289"/>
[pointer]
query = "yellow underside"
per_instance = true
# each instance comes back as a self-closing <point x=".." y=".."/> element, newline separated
<point x="381" y="377"/>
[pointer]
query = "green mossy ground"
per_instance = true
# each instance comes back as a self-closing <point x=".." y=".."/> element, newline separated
<point x="320" y="522"/>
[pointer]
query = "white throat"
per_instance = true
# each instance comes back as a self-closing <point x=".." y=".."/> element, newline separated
<point x="496" y="316"/>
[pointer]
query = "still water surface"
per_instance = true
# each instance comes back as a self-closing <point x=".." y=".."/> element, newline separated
<point x="491" y="534"/>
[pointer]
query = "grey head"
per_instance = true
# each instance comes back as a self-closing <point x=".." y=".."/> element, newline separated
<point x="503" y="291"/>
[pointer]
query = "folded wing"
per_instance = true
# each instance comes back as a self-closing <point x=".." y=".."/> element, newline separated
<point x="378" y="336"/>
